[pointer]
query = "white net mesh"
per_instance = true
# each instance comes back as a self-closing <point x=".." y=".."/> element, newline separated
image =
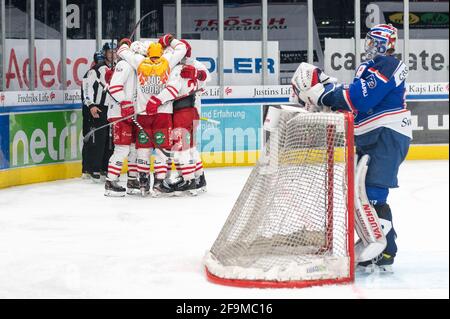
<point x="290" y="220"/>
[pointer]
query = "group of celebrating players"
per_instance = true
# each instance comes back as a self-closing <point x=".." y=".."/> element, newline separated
<point x="154" y="105"/>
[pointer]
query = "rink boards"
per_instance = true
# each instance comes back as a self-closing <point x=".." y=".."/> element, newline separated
<point x="41" y="138"/>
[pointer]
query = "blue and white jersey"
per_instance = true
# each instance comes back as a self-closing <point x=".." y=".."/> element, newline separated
<point x="376" y="96"/>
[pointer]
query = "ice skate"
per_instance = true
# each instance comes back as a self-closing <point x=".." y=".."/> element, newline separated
<point x="95" y="177"/>
<point x="381" y="264"/>
<point x="133" y="186"/>
<point x="186" y="188"/>
<point x="162" y="188"/>
<point x="201" y="183"/>
<point x="113" y="189"/>
<point x="144" y="184"/>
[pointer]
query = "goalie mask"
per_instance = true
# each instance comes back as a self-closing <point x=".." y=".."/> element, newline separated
<point x="154" y="64"/>
<point x="379" y="40"/>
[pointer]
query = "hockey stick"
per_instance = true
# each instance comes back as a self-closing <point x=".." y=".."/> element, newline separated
<point x="138" y="23"/>
<point x="215" y="122"/>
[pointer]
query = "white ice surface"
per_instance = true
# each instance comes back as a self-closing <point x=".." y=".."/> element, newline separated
<point x="66" y="240"/>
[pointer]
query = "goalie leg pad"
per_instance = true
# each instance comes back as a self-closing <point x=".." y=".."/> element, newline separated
<point x="367" y="225"/>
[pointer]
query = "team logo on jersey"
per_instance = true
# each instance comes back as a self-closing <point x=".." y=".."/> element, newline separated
<point x="371" y="81"/>
<point x="142" y="138"/>
<point x="159" y="138"/>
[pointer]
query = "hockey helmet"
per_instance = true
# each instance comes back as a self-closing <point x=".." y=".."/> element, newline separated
<point x="98" y="57"/>
<point x="379" y="40"/>
<point x="109" y="46"/>
<point x="155" y="50"/>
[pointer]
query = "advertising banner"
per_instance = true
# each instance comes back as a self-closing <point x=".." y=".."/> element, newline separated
<point x="428" y="59"/>
<point x="287" y="24"/>
<point x="44" y="137"/>
<point x="243" y="63"/>
<point x="427" y="20"/>
<point x="239" y="129"/>
<point x="430" y="122"/>
<point x="4" y="141"/>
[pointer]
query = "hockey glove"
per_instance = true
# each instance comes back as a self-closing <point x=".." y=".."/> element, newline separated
<point x="152" y="105"/>
<point x="126" y="109"/>
<point x="201" y="75"/>
<point x="165" y="40"/>
<point x="125" y="41"/>
<point x="189" y="72"/>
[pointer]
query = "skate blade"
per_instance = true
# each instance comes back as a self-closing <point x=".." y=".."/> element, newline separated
<point x="133" y="191"/>
<point x="158" y="194"/>
<point x="374" y="269"/>
<point x="114" y="194"/>
<point x="144" y="193"/>
<point x="186" y="193"/>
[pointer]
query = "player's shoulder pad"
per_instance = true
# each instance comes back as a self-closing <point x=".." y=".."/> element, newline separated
<point x="387" y="67"/>
<point x="362" y="67"/>
<point x="122" y="66"/>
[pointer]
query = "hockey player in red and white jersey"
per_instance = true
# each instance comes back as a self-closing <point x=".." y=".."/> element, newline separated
<point x="152" y="72"/>
<point x="121" y="101"/>
<point x="186" y="79"/>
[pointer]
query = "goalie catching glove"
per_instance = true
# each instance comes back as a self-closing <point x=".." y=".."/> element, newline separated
<point x="310" y="85"/>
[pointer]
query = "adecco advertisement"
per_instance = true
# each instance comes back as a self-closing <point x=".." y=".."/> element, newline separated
<point x="243" y="63"/>
<point x="44" y="137"/>
<point x="428" y="59"/>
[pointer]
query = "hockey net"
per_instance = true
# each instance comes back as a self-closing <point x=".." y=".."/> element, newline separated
<point x="292" y="224"/>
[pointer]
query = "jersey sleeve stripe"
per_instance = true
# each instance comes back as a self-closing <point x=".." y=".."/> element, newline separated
<point x="379" y="75"/>
<point x="116" y="86"/>
<point x="115" y="91"/>
<point x="347" y="99"/>
<point x="171" y="92"/>
<point x="172" y="88"/>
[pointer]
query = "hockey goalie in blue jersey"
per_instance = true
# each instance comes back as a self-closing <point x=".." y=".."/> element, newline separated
<point x="382" y="130"/>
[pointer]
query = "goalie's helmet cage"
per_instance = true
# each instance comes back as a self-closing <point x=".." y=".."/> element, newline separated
<point x="292" y="225"/>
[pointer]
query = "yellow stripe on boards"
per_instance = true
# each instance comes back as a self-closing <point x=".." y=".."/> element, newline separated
<point x="45" y="173"/>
